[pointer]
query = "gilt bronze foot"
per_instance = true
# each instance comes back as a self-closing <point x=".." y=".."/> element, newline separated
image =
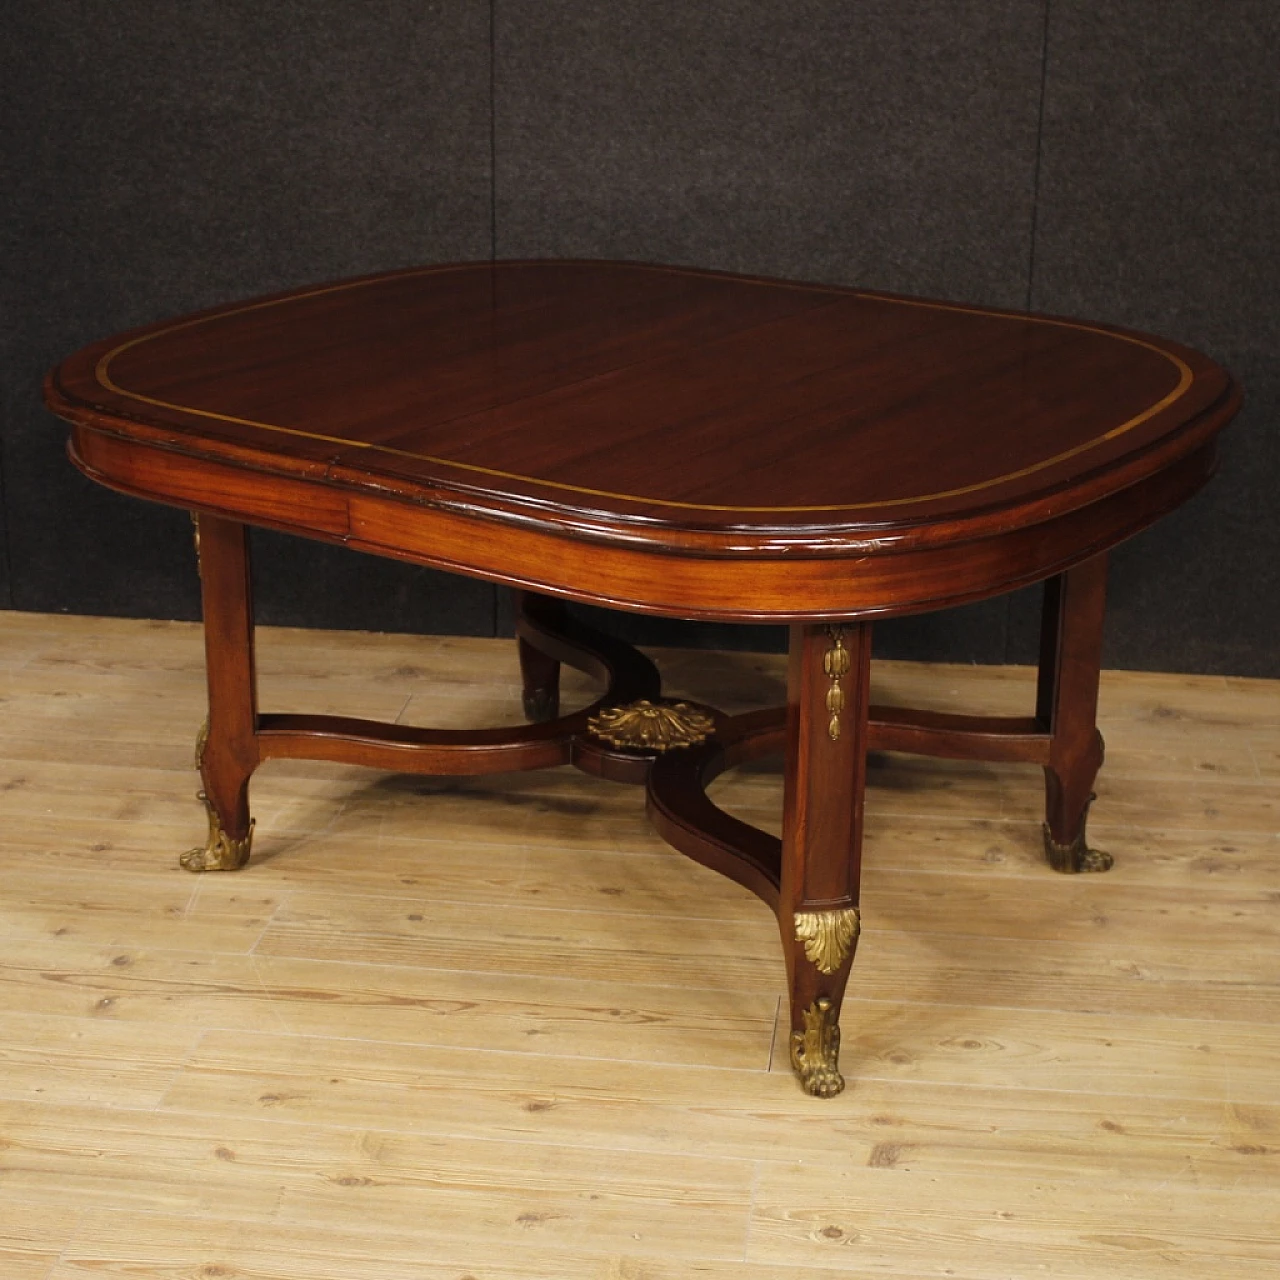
<point x="219" y="852"/>
<point x="815" y="1051"/>
<point x="1076" y="856"/>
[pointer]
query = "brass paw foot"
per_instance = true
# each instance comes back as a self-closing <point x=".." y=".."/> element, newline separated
<point x="541" y="705"/>
<point x="1076" y="856"/>
<point x="816" y="1049"/>
<point x="219" y="852"/>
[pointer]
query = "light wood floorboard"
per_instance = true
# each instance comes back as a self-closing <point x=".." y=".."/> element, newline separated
<point x="495" y="1029"/>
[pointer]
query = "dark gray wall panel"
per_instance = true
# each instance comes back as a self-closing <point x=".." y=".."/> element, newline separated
<point x="1160" y="208"/>
<point x="975" y="633"/>
<point x="6" y="597"/>
<point x="886" y="144"/>
<point x="159" y="158"/>
<point x="296" y="581"/>
<point x="174" y="156"/>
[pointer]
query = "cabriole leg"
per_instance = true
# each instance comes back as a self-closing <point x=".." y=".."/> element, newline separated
<point x="539" y="672"/>
<point x="1067" y="704"/>
<point x="227" y="748"/>
<point x="822" y="838"/>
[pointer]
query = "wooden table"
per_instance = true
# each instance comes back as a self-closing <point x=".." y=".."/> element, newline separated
<point x="673" y="442"/>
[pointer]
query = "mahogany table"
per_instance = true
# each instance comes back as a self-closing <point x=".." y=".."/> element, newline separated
<point x="672" y="442"/>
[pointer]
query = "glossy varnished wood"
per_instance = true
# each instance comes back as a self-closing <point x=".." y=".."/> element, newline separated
<point x="624" y="674"/>
<point x="673" y="442"/>
<point x="227" y="751"/>
<point x="772" y="589"/>
<point x="588" y="409"/>
<point x="686" y="817"/>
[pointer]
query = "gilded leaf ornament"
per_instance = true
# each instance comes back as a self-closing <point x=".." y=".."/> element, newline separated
<point x="219" y="851"/>
<point x="835" y="662"/>
<point x="828" y="936"/>
<point x="202" y="741"/>
<point x="195" y="538"/>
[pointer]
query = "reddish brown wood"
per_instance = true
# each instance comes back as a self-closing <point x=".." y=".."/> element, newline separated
<point x="228" y="754"/>
<point x="573" y="398"/>
<point x="822" y="798"/>
<point x="688" y="819"/>
<point x="547" y="627"/>
<point x="671" y="442"/>
<point x="822" y="812"/>
<point x="409" y="749"/>
<point x="734" y="589"/>
<point x="1067" y="704"/>
<point x="539" y="670"/>
<point x="623" y="764"/>
<point x="574" y="407"/>
<point x="626" y="673"/>
<point x="547" y="634"/>
<point x="939" y="733"/>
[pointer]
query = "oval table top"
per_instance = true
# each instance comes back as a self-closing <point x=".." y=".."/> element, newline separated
<point x="659" y="408"/>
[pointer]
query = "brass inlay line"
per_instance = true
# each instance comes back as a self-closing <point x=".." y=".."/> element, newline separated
<point x="1185" y="380"/>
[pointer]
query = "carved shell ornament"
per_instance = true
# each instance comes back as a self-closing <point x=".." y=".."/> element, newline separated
<point x="651" y="726"/>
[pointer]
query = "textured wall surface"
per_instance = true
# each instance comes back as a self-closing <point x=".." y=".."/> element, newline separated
<point x="1116" y="159"/>
<point x="885" y="143"/>
<point x="1160" y="208"/>
<point x="6" y="595"/>
<point x="174" y="156"/>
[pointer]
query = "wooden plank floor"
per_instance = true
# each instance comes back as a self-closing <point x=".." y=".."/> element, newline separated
<point x="493" y="1029"/>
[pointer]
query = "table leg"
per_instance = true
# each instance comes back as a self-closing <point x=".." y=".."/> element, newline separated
<point x="826" y="754"/>
<point x="1067" y="703"/>
<point x="539" y="672"/>
<point x="227" y="748"/>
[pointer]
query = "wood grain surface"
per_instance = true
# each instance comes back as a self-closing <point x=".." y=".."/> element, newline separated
<point x="443" y="1028"/>
<point x="668" y="440"/>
